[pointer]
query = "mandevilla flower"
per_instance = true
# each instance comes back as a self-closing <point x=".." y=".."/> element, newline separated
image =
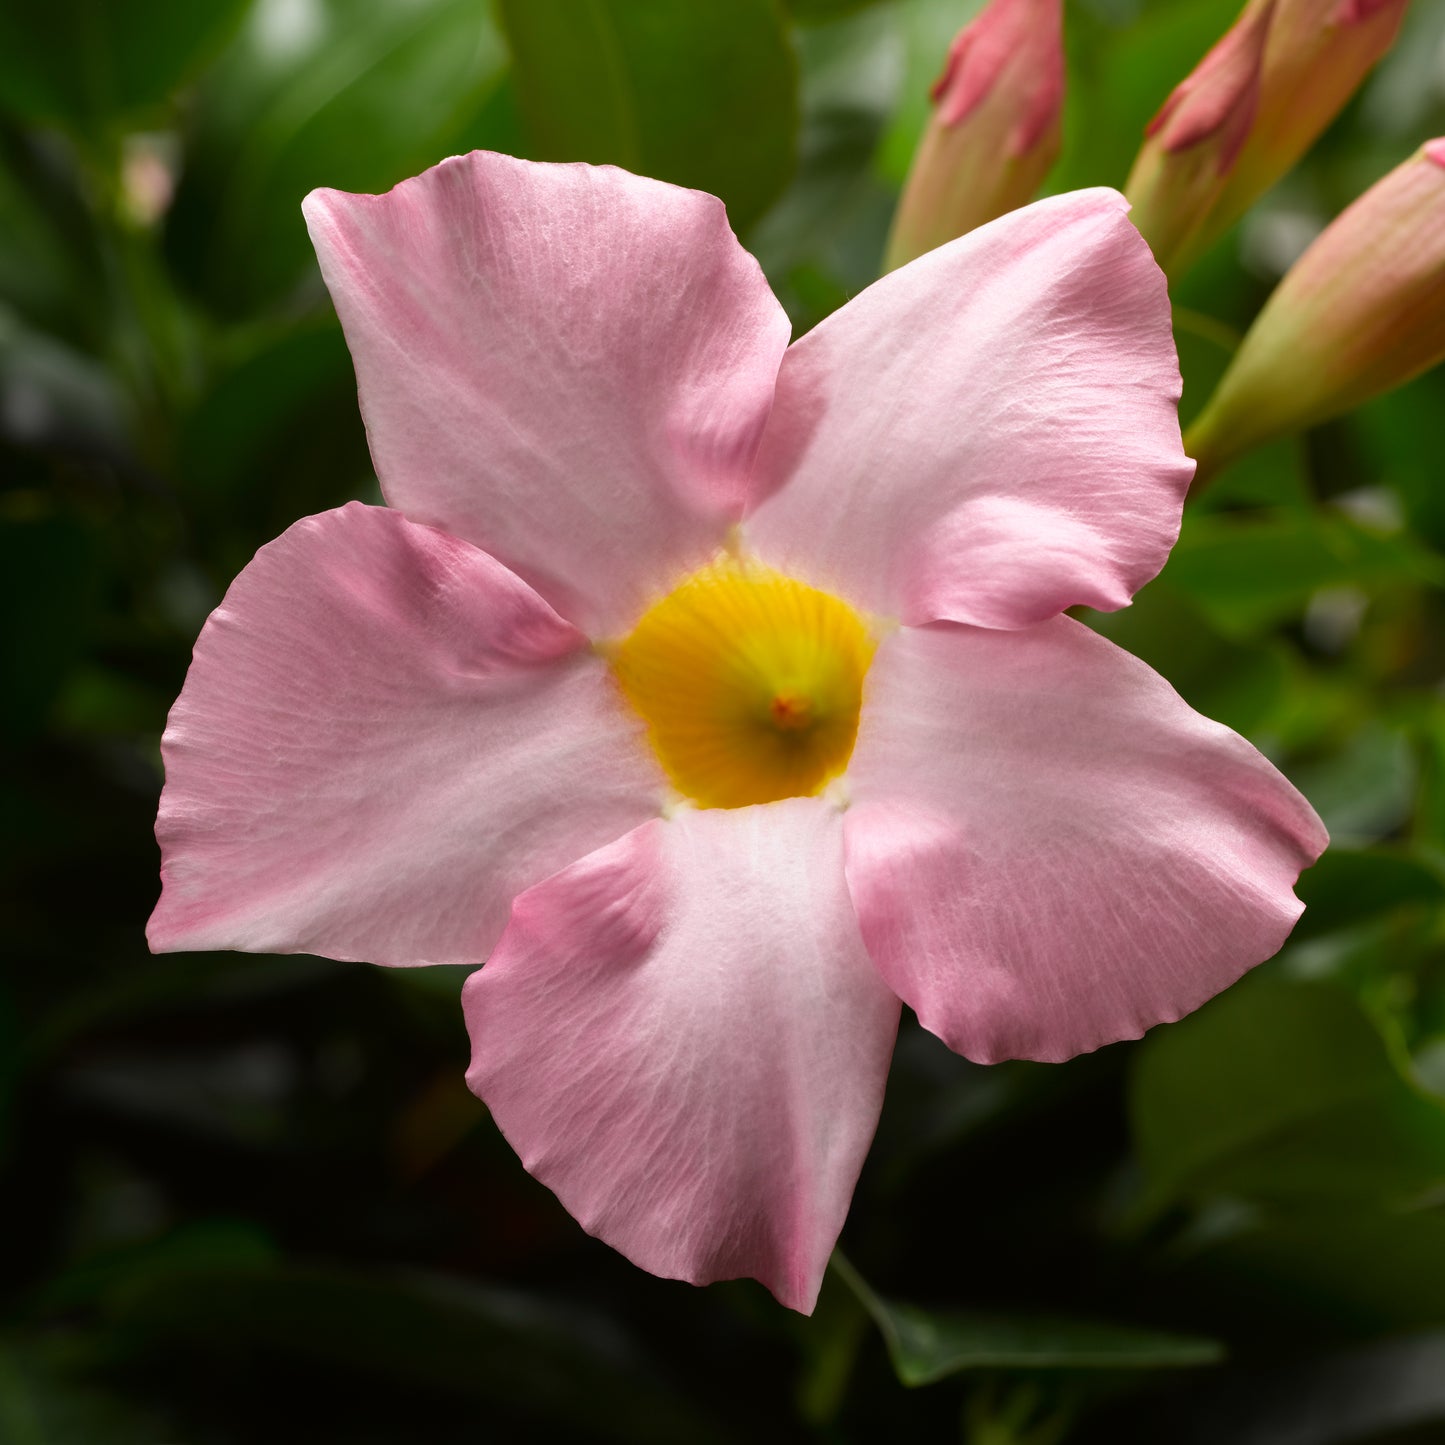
<point x="1362" y="311"/>
<point x="1193" y="142"/>
<point x="717" y="693"/>
<point x="995" y="129"/>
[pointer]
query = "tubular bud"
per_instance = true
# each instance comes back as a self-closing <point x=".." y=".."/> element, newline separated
<point x="1317" y="54"/>
<point x="1193" y="143"/>
<point x="1362" y="311"/>
<point x="995" y="129"/>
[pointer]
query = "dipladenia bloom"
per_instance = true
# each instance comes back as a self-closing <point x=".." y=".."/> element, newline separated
<point x="716" y="692"/>
<point x="1192" y="144"/>
<point x="1362" y="311"/>
<point x="995" y="129"/>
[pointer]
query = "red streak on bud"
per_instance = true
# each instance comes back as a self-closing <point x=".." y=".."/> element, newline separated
<point x="985" y="51"/>
<point x="1356" y="12"/>
<point x="1435" y="151"/>
<point x="1219" y="97"/>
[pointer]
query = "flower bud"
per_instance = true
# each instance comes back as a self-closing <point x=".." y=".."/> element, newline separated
<point x="1192" y="144"/>
<point x="1317" y="54"/>
<point x="1363" y="310"/>
<point x="995" y="128"/>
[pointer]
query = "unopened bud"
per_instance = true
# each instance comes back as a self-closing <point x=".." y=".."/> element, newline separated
<point x="1317" y="54"/>
<point x="1362" y="311"/>
<point x="995" y="128"/>
<point x="1193" y="143"/>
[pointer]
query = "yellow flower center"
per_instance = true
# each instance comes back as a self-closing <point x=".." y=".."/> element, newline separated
<point x="750" y="683"/>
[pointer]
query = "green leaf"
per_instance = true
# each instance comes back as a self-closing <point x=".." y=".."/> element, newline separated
<point x="1250" y="571"/>
<point x="81" y="62"/>
<point x="49" y="260"/>
<point x="50" y="575"/>
<point x="355" y="94"/>
<point x="929" y="1345"/>
<point x="814" y="12"/>
<point x="926" y="28"/>
<point x="42" y="1403"/>
<point x="1237" y="682"/>
<point x="702" y="94"/>
<point x="1348" y="886"/>
<point x="823" y="240"/>
<point x="1281" y="1092"/>
<point x="1346" y="1397"/>
<point x="1366" y="1271"/>
<point x="415" y="1331"/>
<point x="1122" y="66"/>
<point x="1365" y="788"/>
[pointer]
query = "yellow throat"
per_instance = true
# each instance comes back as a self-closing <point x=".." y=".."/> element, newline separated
<point x="750" y="683"/>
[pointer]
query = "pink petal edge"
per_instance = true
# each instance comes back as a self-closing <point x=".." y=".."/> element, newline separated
<point x="383" y="736"/>
<point x="566" y="365"/>
<point x="1049" y="850"/>
<point x="988" y="434"/>
<point x="683" y="1037"/>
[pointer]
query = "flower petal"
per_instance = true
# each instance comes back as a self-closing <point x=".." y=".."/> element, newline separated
<point x="989" y="434"/>
<point x="567" y="365"/>
<point x="1049" y="850"/>
<point x="383" y="737"/>
<point x="683" y="1037"/>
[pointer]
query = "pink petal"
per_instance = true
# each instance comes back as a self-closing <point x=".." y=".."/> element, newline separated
<point x="1049" y="850"/>
<point x="384" y="735"/>
<point x="989" y="434"/>
<point x="683" y="1037"/>
<point x="569" y="366"/>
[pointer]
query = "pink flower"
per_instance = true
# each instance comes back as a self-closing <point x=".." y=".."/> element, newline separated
<point x="641" y="552"/>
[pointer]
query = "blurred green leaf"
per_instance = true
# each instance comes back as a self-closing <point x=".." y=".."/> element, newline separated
<point x="1345" y="1397"/>
<point x="1397" y="433"/>
<point x="205" y="1244"/>
<point x="44" y="1403"/>
<point x="1281" y="1091"/>
<point x="49" y="266"/>
<point x="702" y="94"/>
<point x="50" y="577"/>
<point x="823" y="240"/>
<point x="52" y="395"/>
<point x="1123" y="62"/>
<point x="565" y="1364"/>
<point x="1364" y="788"/>
<point x="1358" y="1270"/>
<point x="927" y="29"/>
<point x="1233" y="681"/>
<point x="929" y="1345"/>
<point x="85" y="62"/>
<point x="1246" y="571"/>
<point x="354" y="94"/>
<point x="813" y="12"/>
<point x="1350" y="885"/>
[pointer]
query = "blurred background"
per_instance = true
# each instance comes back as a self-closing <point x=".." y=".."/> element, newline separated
<point x="250" y="1199"/>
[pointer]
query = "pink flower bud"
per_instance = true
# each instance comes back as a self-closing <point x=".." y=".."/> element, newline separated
<point x="995" y="128"/>
<point x="1193" y="143"/>
<point x="1362" y="311"/>
<point x="1317" y="54"/>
